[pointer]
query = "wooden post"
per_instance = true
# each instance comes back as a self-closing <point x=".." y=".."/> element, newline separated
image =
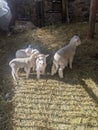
<point x="40" y="13"/>
<point x="63" y="10"/>
<point x="92" y="18"/>
<point x="67" y="11"/>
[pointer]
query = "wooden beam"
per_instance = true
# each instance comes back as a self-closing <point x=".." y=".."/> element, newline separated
<point x="63" y="10"/>
<point x="40" y="13"/>
<point x="92" y="18"/>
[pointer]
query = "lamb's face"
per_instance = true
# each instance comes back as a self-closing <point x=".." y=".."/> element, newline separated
<point x="28" y="51"/>
<point x="34" y="51"/>
<point x="78" y="41"/>
<point x="40" y="64"/>
<point x="75" y="39"/>
<point x="41" y="61"/>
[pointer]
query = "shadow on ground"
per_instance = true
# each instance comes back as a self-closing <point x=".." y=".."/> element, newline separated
<point x="50" y="103"/>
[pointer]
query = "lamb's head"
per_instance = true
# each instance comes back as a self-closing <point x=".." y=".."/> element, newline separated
<point x="30" y="46"/>
<point x="35" y="51"/>
<point x="33" y="56"/>
<point x="75" y="40"/>
<point x="41" y="64"/>
<point x="41" y="59"/>
<point x="28" y="51"/>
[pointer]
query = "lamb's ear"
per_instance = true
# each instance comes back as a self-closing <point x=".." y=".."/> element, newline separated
<point x="36" y="56"/>
<point x="47" y="55"/>
<point x="26" y="50"/>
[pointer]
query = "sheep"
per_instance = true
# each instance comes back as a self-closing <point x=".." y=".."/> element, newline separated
<point x="25" y="63"/>
<point x="65" y="56"/>
<point x="23" y="53"/>
<point x="41" y="64"/>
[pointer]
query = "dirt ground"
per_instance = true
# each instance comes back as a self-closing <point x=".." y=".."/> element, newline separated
<point x="50" y="103"/>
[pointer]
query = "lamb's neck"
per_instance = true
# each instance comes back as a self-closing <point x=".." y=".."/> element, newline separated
<point x="70" y="45"/>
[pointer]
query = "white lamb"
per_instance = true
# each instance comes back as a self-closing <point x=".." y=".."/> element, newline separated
<point x="64" y="56"/>
<point x="41" y="64"/>
<point x="23" y="53"/>
<point x="25" y="63"/>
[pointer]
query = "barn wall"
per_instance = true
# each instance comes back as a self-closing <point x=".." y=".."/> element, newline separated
<point x="79" y="10"/>
<point x="27" y="10"/>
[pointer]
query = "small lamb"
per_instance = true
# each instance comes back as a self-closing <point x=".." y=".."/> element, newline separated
<point x="65" y="56"/>
<point x="41" y="64"/>
<point x="25" y="63"/>
<point x="23" y="53"/>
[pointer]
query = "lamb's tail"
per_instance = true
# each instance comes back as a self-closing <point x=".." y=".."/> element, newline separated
<point x="10" y="63"/>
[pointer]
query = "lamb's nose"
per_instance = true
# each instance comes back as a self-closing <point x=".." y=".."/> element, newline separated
<point x="42" y="63"/>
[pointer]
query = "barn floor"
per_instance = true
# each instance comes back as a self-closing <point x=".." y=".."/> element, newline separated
<point x="50" y="103"/>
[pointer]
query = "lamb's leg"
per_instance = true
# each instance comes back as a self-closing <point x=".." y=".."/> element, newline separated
<point x="34" y="67"/>
<point x="61" y="70"/>
<point x="70" y="62"/>
<point x="13" y="72"/>
<point x="54" y="69"/>
<point x="43" y="71"/>
<point x="38" y="74"/>
<point x="66" y="63"/>
<point x="27" y="70"/>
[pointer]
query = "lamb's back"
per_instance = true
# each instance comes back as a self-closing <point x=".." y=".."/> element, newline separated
<point x="21" y="53"/>
<point x="66" y="51"/>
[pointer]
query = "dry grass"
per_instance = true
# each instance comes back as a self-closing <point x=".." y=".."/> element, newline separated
<point x="51" y="103"/>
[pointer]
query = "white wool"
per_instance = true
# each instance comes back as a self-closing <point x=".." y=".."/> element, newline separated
<point x="26" y="63"/>
<point x="65" y="56"/>
<point x="41" y="64"/>
<point x="23" y="53"/>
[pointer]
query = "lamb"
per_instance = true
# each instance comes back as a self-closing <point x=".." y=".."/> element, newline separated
<point x="23" y="53"/>
<point x="25" y="63"/>
<point x="35" y="51"/>
<point x="41" y="64"/>
<point x="65" y="56"/>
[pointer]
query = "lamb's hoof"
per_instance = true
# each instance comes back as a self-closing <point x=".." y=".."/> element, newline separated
<point x="61" y="77"/>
